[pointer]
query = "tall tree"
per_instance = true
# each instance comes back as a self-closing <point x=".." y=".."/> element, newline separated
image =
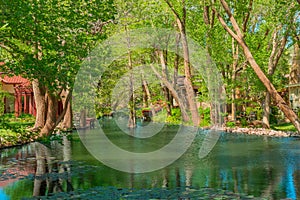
<point x="239" y="37"/>
<point x="181" y="23"/>
<point x="48" y="40"/>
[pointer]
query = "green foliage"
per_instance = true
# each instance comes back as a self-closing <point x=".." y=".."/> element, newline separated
<point x="14" y="131"/>
<point x="283" y="127"/>
<point x="58" y="137"/>
<point x="175" y="118"/>
<point x="48" y="40"/>
<point x="244" y="122"/>
<point x="230" y="124"/>
<point x="3" y="94"/>
<point x="205" y="116"/>
<point x="274" y="115"/>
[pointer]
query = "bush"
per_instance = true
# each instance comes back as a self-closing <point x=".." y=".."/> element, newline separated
<point x="230" y="124"/>
<point x="176" y="116"/>
<point x="205" y="116"/>
<point x="273" y="115"/>
<point x="244" y="122"/>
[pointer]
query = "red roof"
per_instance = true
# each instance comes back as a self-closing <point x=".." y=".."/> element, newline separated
<point x="16" y="80"/>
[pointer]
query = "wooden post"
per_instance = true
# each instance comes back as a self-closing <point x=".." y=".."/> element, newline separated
<point x="18" y="105"/>
<point x="30" y="104"/>
<point x="6" y="110"/>
<point x="26" y="110"/>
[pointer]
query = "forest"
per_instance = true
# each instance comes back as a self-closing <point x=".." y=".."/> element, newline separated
<point x="207" y="94"/>
<point x="253" y="46"/>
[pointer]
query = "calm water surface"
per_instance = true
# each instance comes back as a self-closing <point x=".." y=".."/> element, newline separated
<point x="261" y="167"/>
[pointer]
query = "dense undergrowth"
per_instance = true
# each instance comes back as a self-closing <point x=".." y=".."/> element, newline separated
<point x="15" y="130"/>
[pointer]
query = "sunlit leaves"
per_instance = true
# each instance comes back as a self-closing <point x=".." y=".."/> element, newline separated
<point x="50" y="38"/>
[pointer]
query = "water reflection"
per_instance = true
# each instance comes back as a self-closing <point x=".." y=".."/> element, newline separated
<point x="262" y="167"/>
<point x="49" y="172"/>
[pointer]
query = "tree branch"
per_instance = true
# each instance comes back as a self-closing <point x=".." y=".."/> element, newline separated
<point x="173" y="92"/>
<point x="174" y="11"/>
<point x="225" y="26"/>
<point x="246" y="19"/>
<point x="232" y="20"/>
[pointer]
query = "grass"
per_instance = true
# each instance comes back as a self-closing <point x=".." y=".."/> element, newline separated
<point x="283" y="127"/>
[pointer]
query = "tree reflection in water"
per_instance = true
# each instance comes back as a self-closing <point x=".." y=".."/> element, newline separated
<point x="240" y="164"/>
<point x="50" y="174"/>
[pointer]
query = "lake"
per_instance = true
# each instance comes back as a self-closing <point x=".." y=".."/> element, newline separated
<point x="239" y="166"/>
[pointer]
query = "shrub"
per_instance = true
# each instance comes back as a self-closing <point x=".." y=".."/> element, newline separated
<point x="176" y="116"/>
<point x="244" y="122"/>
<point x="230" y="124"/>
<point x="205" y="116"/>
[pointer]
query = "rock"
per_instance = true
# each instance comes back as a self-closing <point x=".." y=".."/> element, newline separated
<point x="259" y="131"/>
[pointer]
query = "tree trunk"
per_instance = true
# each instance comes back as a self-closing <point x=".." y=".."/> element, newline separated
<point x="238" y="36"/>
<point x="67" y="120"/>
<point x="176" y="66"/>
<point x="175" y="95"/>
<point x="51" y="115"/>
<point x="40" y="102"/>
<point x="275" y="55"/>
<point x="187" y="70"/>
<point x="187" y="82"/>
<point x="266" y="110"/>
<point x="235" y="54"/>
<point x="131" y="119"/>
<point x="147" y="93"/>
<point x="83" y="118"/>
<point x="165" y="75"/>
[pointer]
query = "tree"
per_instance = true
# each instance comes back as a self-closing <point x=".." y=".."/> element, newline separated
<point x="239" y="37"/>
<point x="47" y="41"/>
<point x="181" y="23"/>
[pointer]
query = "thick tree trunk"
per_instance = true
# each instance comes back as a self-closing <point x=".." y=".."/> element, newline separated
<point x="51" y="115"/>
<point x="67" y="120"/>
<point x="266" y="110"/>
<point x="40" y="102"/>
<point x="238" y="36"/>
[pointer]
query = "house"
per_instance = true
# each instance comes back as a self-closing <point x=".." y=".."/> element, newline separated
<point x="20" y="97"/>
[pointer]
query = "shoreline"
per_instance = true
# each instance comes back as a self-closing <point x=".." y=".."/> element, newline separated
<point x="235" y="130"/>
<point x="261" y="132"/>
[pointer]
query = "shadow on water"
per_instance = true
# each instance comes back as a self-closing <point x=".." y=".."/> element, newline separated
<point x="238" y="166"/>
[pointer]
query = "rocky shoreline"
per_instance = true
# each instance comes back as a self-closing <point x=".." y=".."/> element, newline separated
<point x="261" y="132"/>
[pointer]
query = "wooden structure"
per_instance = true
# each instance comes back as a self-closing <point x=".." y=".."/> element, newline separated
<point x="20" y="99"/>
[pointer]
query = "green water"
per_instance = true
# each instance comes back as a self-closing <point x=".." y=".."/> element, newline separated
<point x="248" y="166"/>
